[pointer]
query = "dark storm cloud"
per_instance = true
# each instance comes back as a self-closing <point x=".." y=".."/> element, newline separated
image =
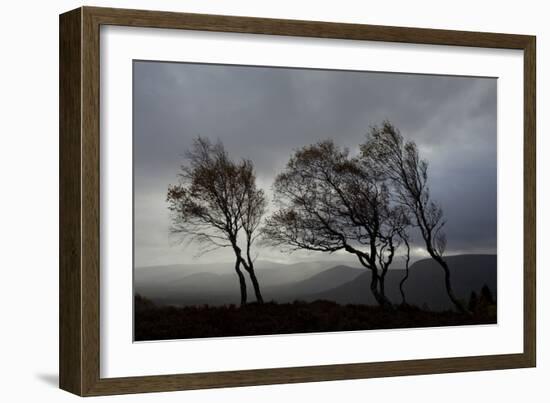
<point x="265" y="113"/>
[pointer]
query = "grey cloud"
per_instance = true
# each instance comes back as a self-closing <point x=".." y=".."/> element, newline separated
<point x="265" y="113"/>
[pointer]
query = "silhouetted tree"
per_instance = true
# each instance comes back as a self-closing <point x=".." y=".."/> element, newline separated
<point x="216" y="199"/>
<point x="481" y="304"/>
<point x="400" y="162"/>
<point x="472" y="303"/>
<point x="486" y="296"/>
<point x="329" y="202"/>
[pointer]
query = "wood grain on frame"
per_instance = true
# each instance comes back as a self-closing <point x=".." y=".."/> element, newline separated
<point x="79" y="200"/>
<point x="70" y="314"/>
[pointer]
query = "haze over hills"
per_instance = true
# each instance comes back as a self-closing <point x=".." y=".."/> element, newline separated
<point x="271" y="272"/>
<point x="333" y="277"/>
<point x="217" y="283"/>
<point x="311" y="281"/>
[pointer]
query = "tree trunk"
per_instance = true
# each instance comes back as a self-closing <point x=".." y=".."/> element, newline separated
<point x="242" y="282"/>
<point x="379" y="297"/>
<point x="384" y="270"/>
<point x="250" y="269"/>
<point x="374" y="289"/>
<point x="458" y="305"/>
<point x="239" y="260"/>
<point x="378" y="290"/>
<point x="256" y="285"/>
<point x="382" y="282"/>
<point x="402" y="282"/>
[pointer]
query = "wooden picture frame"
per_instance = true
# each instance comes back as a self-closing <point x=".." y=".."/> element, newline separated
<point x="79" y="201"/>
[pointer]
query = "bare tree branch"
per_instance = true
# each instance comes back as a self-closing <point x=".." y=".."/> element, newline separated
<point x="329" y="201"/>
<point x="400" y="162"/>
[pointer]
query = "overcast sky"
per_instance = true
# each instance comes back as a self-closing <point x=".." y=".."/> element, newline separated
<point x="265" y="113"/>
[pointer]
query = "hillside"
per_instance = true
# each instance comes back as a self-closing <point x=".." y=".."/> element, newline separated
<point x="317" y="281"/>
<point x="425" y="285"/>
<point x="333" y="277"/>
<point x="217" y="284"/>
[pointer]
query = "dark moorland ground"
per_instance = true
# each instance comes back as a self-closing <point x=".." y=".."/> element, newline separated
<point x="154" y="322"/>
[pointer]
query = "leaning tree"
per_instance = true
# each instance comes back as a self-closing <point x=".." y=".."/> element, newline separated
<point x="217" y="198"/>
<point x="400" y="162"/>
<point x="328" y="202"/>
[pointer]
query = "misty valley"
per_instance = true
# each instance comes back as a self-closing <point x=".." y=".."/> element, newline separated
<point x="315" y="296"/>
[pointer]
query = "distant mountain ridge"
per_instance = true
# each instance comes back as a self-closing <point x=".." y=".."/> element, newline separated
<point x="217" y="284"/>
<point x="335" y="276"/>
<point x="271" y="272"/>
<point x="314" y="281"/>
<point x="425" y="284"/>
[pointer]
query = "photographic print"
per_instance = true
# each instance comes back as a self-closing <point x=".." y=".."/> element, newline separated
<point x="274" y="200"/>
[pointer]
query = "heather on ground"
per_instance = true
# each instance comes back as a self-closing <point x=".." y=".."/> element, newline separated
<point x="154" y="322"/>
